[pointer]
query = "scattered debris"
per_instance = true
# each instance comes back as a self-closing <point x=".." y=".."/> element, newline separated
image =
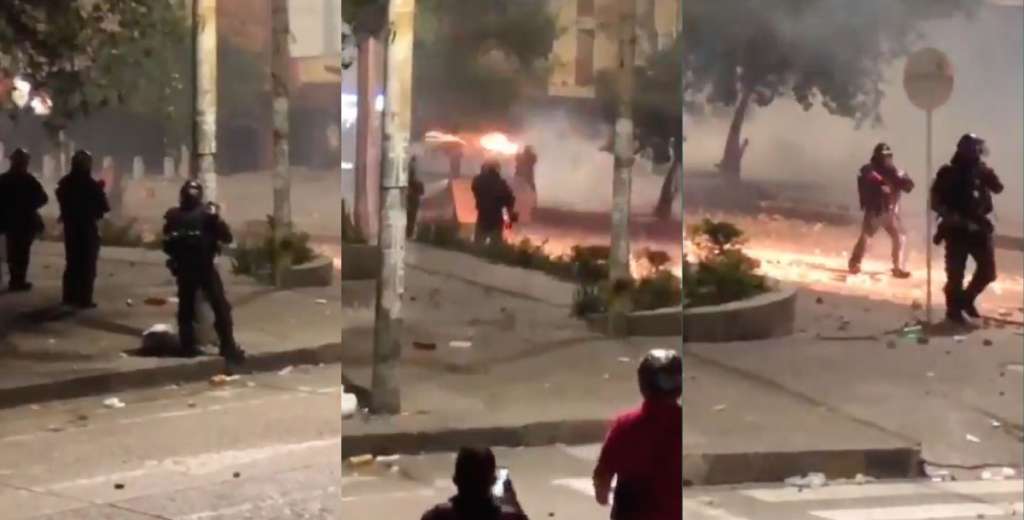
<point x="349" y="405"/>
<point x="154" y="301"/>
<point x="250" y="384"/>
<point x="1005" y="313"/>
<point x="890" y="344"/>
<point x="222" y="379"/>
<point x="360" y="460"/>
<point x="191" y="404"/>
<point x="996" y="424"/>
<point x="719" y="408"/>
<point x="236" y="474"/>
<point x="113" y="403"/>
<point x="819" y="300"/>
<point x="930" y="374"/>
<point x="118" y="486"/>
<point x="423" y="345"/>
<point x="285" y="371"/>
<point x="460" y="344"/>
<point x="972" y="438"/>
<point x="959" y="339"/>
<point x="625" y="360"/>
<point x="388" y="459"/>
<point x="922" y="340"/>
<point x="812" y="480"/>
<point x="916" y="305"/>
<point x="129" y="302"/>
<point x="321" y="301"/>
<point x="987" y="342"/>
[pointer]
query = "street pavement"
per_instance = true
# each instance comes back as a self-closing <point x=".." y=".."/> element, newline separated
<point x="551" y="482"/>
<point x="260" y="447"/>
<point x="889" y="500"/>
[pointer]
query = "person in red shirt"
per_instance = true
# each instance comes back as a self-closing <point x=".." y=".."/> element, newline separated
<point x="644" y="447"/>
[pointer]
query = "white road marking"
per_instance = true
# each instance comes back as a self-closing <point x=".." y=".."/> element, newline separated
<point x="580" y="485"/>
<point x="922" y="512"/>
<point x="695" y="507"/>
<point x="588" y="452"/>
<point x="850" y="492"/>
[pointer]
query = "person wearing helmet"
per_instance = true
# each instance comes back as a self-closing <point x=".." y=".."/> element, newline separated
<point x="961" y="196"/>
<point x="193" y="235"/>
<point x="21" y="198"/>
<point x="643" y="449"/>
<point x="82" y="204"/>
<point x="493" y="197"/>
<point x="880" y="185"/>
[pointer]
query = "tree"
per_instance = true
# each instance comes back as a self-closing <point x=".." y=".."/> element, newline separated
<point x="87" y="55"/>
<point x="827" y="53"/>
<point x="475" y="60"/>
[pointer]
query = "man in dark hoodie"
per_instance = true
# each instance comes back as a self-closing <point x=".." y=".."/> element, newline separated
<point x="475" y="477"/>
<point x="21" y="198"/>
<point x="82" y="204"/>
<point x="961" y="196"/>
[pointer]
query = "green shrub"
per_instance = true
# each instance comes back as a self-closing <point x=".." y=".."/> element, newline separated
<point x="723" y="272"/>
<point x="660" y="290"/>
<point x="278" y="249"/>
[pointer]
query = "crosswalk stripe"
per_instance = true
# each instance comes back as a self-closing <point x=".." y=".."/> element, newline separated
<point x="920" y="512"/>
<point x="852" y="491"/>
<point x="695" y="507"/>
<point x="580" y="485"/>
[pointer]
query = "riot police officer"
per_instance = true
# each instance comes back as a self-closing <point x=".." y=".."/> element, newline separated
<point x="493" y="197"/>
<point x="880" y="185"/>
<point x="961" y="196"/>
<point x="21" y="198"/>
<point x="193" y="235"/>
<point x="82" y="204"/>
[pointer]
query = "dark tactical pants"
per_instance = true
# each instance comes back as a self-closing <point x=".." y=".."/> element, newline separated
<point x="961" y="245"/>
<point x="889" y="221"/>
<point x="19" y="254"/>
<point x="207" y="280"/>
<point x="81" y="251"/>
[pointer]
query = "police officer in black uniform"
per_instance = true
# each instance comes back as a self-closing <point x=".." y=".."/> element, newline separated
<point x="193" y="235"/>
<point x="21" y="198"/>
<point x="82" y="204"/>
<point x="493" y="197"/>
<point x="962" y="197"/>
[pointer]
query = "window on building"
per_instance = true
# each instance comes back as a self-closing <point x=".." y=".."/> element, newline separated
<point x="585" y="8"/>
<point x="585" y="57"/>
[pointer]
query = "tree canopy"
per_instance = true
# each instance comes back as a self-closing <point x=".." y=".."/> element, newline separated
<point x="87" y="55"/>
<point x="828" y="53"/>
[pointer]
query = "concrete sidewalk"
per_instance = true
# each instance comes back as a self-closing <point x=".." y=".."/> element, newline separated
<point x="48" y="352"/>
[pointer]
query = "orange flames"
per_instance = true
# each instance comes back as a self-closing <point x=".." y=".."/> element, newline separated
<point x="438" y="137"/>
<point x="499" y="143"/>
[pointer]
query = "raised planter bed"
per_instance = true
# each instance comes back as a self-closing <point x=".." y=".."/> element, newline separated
<point x="768" y="315"/>
<point x="317" y="273"/>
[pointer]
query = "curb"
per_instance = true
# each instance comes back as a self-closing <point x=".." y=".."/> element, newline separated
<point x="98" y="384"/>
<point x="762" y="467"/>
<point x="569" y="432"/>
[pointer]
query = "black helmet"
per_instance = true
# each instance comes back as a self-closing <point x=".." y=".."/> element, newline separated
<point x="881" y="150"/>
<point x="661" y="374"/>
<point x="971" y="145"/>
<point x="81" y="160"/>
<point x="191" y="194"/>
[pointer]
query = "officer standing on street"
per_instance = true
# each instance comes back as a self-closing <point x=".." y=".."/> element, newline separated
<point x="644" y="448"/>
<point x="880" y="185"/>
<point x="193" y="235"/>
<point x="82" y="204"/>
<point x="21" y="198"/>
<point x="962" y="197"/>
<point x="493" y="197"/>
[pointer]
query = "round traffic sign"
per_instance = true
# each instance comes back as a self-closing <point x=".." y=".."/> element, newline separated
<point x="928" y="78"/>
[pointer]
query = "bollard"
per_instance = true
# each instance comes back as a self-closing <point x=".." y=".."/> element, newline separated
<point x="169" y="168"/>
<point x="184" y="164"/>
<point x="115" y="188"/>
<point x="138" y="168"/>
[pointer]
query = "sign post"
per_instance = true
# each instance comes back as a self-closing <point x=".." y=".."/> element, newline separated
<point x="928" y="82"/>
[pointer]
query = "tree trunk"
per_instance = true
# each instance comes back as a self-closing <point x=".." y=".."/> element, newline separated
<point x="618" y="262"/>
<point x="204" y="134"/>
<point x="669" y="191"/>
<point x="387" y="348"/>
<point x="280" y="75"/>
<point x="732" y="157"/>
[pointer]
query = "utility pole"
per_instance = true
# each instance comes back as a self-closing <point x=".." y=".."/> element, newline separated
<point x="618" y="261"/>
<point x="204" y="131"/>
<point x="387" y="348"/>
<point x="280" y="72"/>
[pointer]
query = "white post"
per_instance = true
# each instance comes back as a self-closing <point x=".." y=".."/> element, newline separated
<point x="49" y="167"/>
<point x="184" y="163"/>
<point x="204" y="135"/>
<point x="138" y="168"/>
<point x="169" y="168"/>
<point x="928" y="220"/>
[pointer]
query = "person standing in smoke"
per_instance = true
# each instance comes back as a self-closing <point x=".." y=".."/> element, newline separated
<point x="526" y="166"/>
<point x="82" y="204"/>
<point x="880" y="185"/>
<point x="21" y="198"/>
<point x="961" y="196"/>
<point x="412" y="200"/>
<point x="493" y="197"/>
<point x="193" y="235"/>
